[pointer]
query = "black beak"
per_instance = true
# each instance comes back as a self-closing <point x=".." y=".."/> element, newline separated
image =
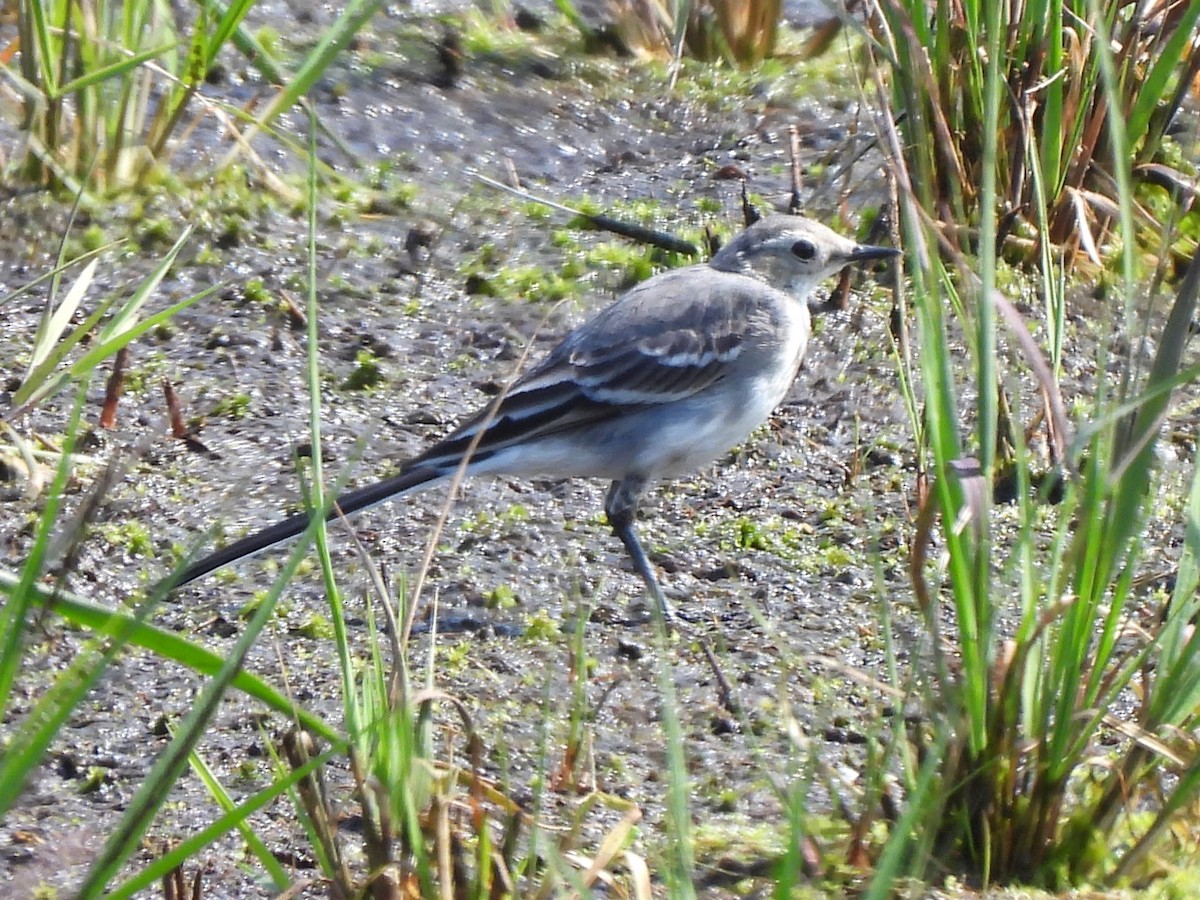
<point x="867" y="253"/>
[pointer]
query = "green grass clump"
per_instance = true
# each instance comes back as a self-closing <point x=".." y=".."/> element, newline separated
<point x="235" y="406"/>
<point x="132" y="537"/>
<point x="1038" y="663"/>
<point x="1036" y="74"/>
<point x="105" y="87"/>
<point x="1016" y="796"/>
<point x="368" y="372"/>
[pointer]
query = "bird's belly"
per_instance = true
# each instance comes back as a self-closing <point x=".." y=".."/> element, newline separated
<point x="688" y="441"/>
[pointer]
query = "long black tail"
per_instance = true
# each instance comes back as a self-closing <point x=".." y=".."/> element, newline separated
<point x="348" y="504"/>
<point x="523" y="414"/>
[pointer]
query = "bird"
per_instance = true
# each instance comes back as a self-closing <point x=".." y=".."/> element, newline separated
<point x="664" y="380"/>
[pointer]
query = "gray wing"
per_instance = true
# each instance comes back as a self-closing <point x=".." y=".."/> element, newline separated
<point x="671" y="337"/>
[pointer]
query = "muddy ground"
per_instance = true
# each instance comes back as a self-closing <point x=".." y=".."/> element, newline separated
<point x="782" y="552"/>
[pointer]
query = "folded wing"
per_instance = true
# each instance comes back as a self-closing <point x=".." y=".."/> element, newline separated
<point x="652" y="347"/>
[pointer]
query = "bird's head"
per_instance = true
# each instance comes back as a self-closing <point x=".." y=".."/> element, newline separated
<point x="793" y="254"/>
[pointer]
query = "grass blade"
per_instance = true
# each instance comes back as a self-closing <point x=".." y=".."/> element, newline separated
<point x="51" y="329"/>
<point x="165" y="644"/>
<point x="14" y="615"/>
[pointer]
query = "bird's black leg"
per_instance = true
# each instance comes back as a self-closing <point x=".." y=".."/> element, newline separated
<point x="621" y="508"/>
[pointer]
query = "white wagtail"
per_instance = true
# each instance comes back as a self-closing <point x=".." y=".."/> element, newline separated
<point x="666" y="379"/>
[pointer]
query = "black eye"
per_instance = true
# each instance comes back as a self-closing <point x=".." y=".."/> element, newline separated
<point x="803" y="249"/>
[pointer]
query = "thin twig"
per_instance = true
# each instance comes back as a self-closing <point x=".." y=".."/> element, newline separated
<point x="795" y="205"/>
<point x="635" y="232"/>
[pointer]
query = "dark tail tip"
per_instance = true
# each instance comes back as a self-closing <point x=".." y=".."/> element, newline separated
<point x="293" y="526"/>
